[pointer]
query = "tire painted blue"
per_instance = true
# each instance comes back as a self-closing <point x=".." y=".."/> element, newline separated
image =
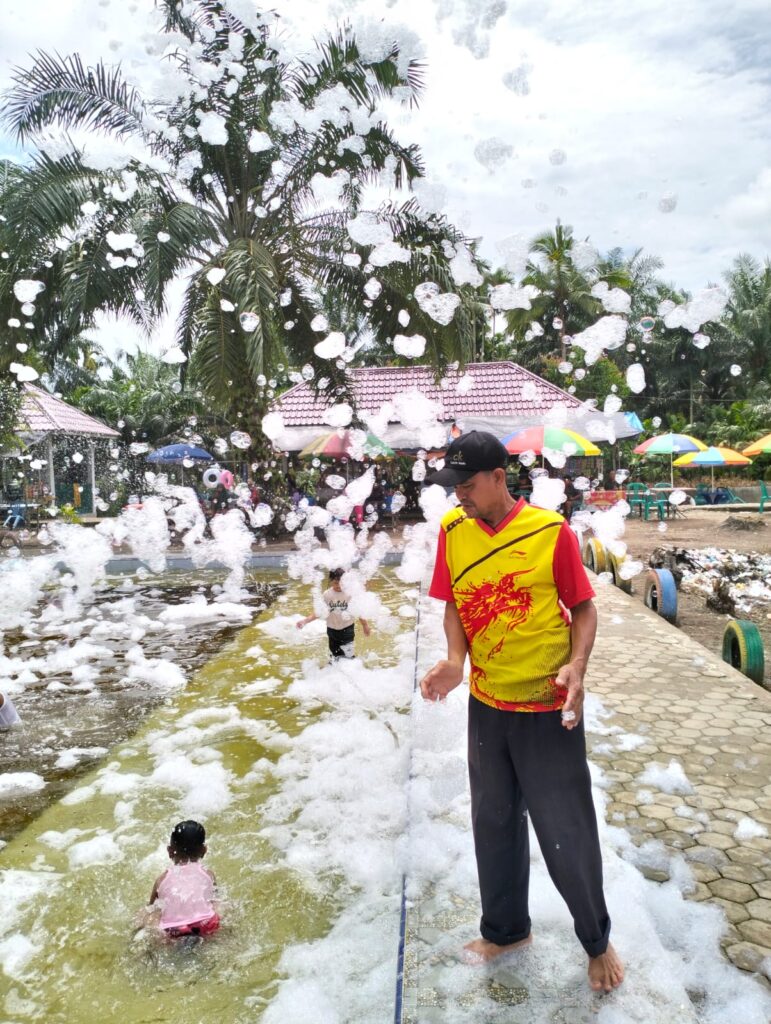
<point x="661" y="594"/>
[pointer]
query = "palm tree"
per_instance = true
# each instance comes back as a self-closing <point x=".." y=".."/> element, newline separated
<point x="142" y="397"/>
<point x="749" y="315"/>
<point x="224" y="194"/>
<point x="564" y="304"/>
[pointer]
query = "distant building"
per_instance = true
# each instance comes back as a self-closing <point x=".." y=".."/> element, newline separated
<point x="51" y="430"/>
<point x="498" y="397"/>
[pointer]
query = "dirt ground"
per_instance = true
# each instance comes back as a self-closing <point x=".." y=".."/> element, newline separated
<point x="703" y="530"/>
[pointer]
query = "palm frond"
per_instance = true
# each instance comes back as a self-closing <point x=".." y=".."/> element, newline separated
<point x="60" y="91"/>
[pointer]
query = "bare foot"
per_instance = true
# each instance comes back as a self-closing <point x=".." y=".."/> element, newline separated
<point x="606" y="971"/>
<point x="481" y="951"/>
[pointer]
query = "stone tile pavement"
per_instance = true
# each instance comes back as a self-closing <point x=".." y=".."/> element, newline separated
<point x="690" y="707"/>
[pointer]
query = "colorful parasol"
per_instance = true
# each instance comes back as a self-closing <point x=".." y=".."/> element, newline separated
<point x="713" y="456"/>
<point x="760" y="447"/>
<point x="670" y="444"/>
<point x="536" y="439"/>
<point x="347" y="444"/>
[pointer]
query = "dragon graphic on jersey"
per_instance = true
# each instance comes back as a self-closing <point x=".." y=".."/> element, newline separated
<point x="479" y="607"/>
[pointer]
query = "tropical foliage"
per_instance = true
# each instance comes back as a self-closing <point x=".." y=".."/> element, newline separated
<point x="244" y="186"/>
<point x="143" y="399"/>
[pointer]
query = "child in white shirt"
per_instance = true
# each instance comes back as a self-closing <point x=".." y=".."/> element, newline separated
<point x="340" y="623"/>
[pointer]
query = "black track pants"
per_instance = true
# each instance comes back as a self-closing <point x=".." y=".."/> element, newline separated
<point x="340" y="642"/>
<point x="526" y="762"/>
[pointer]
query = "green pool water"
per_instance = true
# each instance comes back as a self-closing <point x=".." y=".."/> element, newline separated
<point x="89" y="962"/>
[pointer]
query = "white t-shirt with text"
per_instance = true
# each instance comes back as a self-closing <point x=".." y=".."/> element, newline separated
<point x="338" y="617"/>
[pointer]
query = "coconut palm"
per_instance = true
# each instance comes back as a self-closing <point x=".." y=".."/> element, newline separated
<point x="222" y="188"/>
<point x="749" y="315"/>
<point x="142" y="397"/>
<point x="564" y="305"/>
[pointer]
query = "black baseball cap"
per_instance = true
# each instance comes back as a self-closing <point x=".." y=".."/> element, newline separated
<point x="469" y="454"/>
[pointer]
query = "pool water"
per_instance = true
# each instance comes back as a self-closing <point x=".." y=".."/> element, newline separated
<point x="75" y="879"/>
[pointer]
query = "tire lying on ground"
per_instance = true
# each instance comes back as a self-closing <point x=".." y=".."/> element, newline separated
<point x="743" y="648"/>
<point x="595" y="557"/>
<point x="661" y="594"/>
<point x="614" y="566"/>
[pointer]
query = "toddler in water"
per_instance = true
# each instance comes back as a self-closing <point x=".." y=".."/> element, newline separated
<point x="185" y="892"/>
<point x="340" y="632"/>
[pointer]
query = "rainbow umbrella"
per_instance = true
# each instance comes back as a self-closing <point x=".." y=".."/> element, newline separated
<point x="714" y="456"/>
<point x="341" y="443"/>
<point x="535" y="439"/>
<point x="760" y="447"/>
<point x="670" y="444"/>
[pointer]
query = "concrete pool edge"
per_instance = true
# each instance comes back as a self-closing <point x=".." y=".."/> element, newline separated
<point x="127" y="564"/>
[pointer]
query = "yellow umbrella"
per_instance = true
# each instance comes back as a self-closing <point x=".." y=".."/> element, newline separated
<point x="714" y="456"/>
<point x="760" y="447"/>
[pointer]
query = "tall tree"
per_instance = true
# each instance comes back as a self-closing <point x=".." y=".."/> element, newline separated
<point x="564" y="304"/>
<point x="249" y="185"/>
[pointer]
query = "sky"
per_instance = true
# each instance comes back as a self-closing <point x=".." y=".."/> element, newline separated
<point x="601" y="113"/>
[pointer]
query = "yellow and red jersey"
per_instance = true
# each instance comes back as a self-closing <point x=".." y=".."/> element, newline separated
<point x="513" y="586"/>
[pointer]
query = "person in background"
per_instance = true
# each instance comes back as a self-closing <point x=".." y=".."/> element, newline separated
<point x="255" y="495"/>
<point x="186" y="892"/>
<point x="340" y="622"/>
<point x="221" y="500"/>
<point x="573" y="497"/>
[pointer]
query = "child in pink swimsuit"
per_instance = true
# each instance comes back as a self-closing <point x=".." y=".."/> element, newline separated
<point x="185" y="892"/>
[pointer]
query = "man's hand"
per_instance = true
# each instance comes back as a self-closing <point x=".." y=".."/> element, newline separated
<point x="366" y="628"/>
<point x="571" y="677"/>
<point x="441" y="679"/>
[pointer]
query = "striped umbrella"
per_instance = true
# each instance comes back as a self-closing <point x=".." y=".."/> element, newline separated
<point x="535" y="439"/>
<point x="760" y="447"/>
<point x="340" y="444"/>
<point x="714" y="456"/>
<point x="670" y="444"/>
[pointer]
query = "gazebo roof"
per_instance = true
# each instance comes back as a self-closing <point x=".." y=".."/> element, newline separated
<point x="42" y="414"/>
<point x="499" y="389"/>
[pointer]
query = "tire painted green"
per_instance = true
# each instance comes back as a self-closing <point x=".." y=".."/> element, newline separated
<point x="743" y="648"/>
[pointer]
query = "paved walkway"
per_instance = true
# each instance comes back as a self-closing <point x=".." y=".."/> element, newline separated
<point x="671" y="700"/>
<point x="693" y="708"/>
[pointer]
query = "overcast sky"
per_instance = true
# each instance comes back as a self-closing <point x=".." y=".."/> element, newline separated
<point x="641" y="102"/>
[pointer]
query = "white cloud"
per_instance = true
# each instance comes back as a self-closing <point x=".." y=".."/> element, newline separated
<point x="751" y="208"/>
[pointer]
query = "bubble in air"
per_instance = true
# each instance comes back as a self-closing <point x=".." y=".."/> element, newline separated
<point x="240" y="439"/>
<point x="249" y="321"/>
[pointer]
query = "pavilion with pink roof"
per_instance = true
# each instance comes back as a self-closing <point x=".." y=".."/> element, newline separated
<point x="498" y="397"/>
<point x="43" y="418"/>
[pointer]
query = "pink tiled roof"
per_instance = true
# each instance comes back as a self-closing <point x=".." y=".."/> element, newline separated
<point x="41" y="413"/>
<point x="497" y="391"/>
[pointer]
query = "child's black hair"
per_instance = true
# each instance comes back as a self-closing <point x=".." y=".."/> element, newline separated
<point x="335" y="574"/>
<point x="188" y="839"/>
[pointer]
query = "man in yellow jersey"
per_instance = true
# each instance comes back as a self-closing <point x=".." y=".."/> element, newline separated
<point x="519" y="603"/>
